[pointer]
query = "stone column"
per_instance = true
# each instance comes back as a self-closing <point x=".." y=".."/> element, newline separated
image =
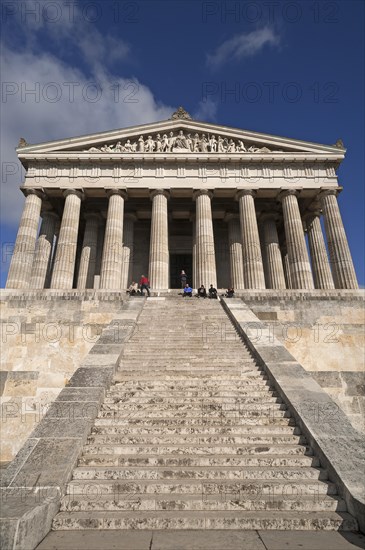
<point x="340" y="256"/>
<point x="23" y="255"/>
<point x="300" y="269"/>
<point x="43" y="251"/>
<point x="235" y="251"/>
<point x="320" y="265"/>
<point x="87" y="264"/>
<point x="194" y="282"/>
<point x="111" y="264"/>
<point x="159" y="241"/>
<point x="206" y="272"/>
<point x="55" y="243"/>
<point x="128" y="252"/>
<point x="253" y="269"/>
<point x="64" y="264"/>
<point x="286" y="266"/>
<point x="275" y="271"/>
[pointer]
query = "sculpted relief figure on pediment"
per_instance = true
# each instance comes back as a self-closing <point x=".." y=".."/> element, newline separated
<point x="178" y="142"/>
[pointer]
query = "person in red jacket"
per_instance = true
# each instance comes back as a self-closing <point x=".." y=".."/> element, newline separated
<point x="144" y="284"/>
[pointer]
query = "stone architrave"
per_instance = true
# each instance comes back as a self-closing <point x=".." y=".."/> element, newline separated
<point x="300" y="268"/>
<point x="320" y="265"/>
<point x="43" y="252"/>
<point x="340" y="256"/>
<point x="253" y="269"/>
<point x="23" y="255"/>
<point x="206" y="273"/>
<point x="235" y="251"/>
<point x="64" y="264"/>
<point x="85" y="278"/>
<point x="112" y="261"/>
<point x="128" y="249"/>
<point x="159" y="242"/>
<point x="274" y="262"/>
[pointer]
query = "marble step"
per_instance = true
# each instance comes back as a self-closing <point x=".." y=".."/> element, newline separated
<point x="196" y="424"/>
<point x="258" y="520"/>
<point x="233" y="384"/>
<point x="252" y="488"/>
<point x="182" y="502"/>
<point x="107" y="461"/>
<point x="170" y="400"/>
<point x="233" y="451"/>
<point x="204" y="472"/>
<point x="267" y="438"/>
<point x="247" y="420"/>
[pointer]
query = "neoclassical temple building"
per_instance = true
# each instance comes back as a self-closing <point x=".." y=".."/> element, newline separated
<point x="231" y="207"/>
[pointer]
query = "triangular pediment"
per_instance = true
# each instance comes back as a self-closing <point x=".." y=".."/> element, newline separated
<point x="178" y="136"/>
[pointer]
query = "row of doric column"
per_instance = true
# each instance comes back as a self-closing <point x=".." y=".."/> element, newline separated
<point x="254" y="263"/>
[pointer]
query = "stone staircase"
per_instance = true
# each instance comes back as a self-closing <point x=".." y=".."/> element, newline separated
<point x="191" y="436"/>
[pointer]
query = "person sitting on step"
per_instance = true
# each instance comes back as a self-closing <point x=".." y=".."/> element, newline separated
<point x="213" y="292"/>
<point x="133" y="289"/>
<point x="202" y="293"/>
<point x="188" y="291"/>
<point x="229" y="293"/>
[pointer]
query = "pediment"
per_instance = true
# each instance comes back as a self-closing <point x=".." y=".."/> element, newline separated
<point x="173" y="137"/>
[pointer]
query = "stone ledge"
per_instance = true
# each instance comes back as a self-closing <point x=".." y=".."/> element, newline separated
<point x="35" y="481"/>
<point x="338" y="445"/>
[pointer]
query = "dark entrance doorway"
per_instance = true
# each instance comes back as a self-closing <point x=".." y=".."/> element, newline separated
<point x="177" y="263"/>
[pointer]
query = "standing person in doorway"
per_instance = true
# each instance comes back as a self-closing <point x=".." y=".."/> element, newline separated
<point x="144" y="284"/>
<point x="183" y="278"/>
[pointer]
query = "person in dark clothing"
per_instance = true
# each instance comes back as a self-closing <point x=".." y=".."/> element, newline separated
<point x="188" y="291"/>
<point x="144" y="284"/>
<point x="212" y="292"/>
<point x="202" y="293"/>
<point x="229" y="293"/>
<point x="183" y="278"/>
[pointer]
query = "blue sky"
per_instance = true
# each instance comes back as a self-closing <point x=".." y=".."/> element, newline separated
<point x="294" y="69"/>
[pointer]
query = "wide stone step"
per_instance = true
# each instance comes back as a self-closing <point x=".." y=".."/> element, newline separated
<point x="174" y="397"/>
<point x="280" y="520"/>
<point x="234" y="384"/>
<point x="182" y="502"/>
<point x="191" y="439"/>
<point x="252" y="488"/>
<point x="210" y="404"/>
<point x="250" y="418"/>
<point x="212" y="450"/>
<point x="107" y="461"/>
<point x="193" y="472"/>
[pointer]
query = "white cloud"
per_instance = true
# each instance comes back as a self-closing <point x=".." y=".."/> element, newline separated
<point x="242" y="46"/>
<point x="37" y="117"/>
<point x="207" y="110"/>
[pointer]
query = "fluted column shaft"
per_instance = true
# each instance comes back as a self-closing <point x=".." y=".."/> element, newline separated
<point x="300" y="269"/>
<point x="23" y="255"/>
<point x="85" y="278"/>
<point x="195" y="281"/>
<point x="111" y="264"/>
<point x="235" y="251"/>
<point x="206" y="273"/>
<point x="159" y="241"/>
<point x="64" y="264"/>
<point x="128" y="249"/>
<point x="275" y="270"/>
<point x="253" y="269"/>
<point x="287" y="274"/>
<point x="43" y="250"/>
<point x="340" y="256"/>
<point x="320" y="265"/>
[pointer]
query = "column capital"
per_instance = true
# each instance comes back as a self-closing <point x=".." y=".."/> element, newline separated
<point x="131" y="217"/>
<point x="244" y="192"/>
<point x="92" y="216"/>
<point x="327" y="191"/>
<point x="78" y="192"/>
<point x="311" y="214"/>
<point x="33" y="191"/>
<point x="284" y="192"/>
<point x="198" y="192"/>
<point x="231" y="216"/>
<point x="155" y="192"/>
<point x="48" y="213"/>
<point x="269" y="216"/>
<point x="114" y="191"/>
